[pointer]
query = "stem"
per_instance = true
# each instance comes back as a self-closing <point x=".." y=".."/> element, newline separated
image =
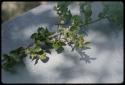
<point x="60" y="36"/>
<point x="54" y="35"/>
<point x="94" y="21"/>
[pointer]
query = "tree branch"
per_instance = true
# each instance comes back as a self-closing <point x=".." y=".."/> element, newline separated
<point x="94" y="21"/>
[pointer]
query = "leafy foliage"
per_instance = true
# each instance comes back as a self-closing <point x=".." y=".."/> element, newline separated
<point x="113" y="11"/>
<point x="63" y="12"/>
<point x="14" y="57"/>
<point x="44" y="40"/>
<point x="86" y="11"/>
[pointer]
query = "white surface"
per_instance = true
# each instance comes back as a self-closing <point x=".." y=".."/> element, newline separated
<point x="65" y="67"/>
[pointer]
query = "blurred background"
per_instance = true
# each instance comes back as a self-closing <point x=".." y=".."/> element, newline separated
<point x="13" y="9"/>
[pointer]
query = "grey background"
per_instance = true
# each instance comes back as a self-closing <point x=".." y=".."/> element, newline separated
<point x="107" y="47"/>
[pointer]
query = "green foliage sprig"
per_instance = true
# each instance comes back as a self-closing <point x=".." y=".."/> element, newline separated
<point x="44" y="40"/>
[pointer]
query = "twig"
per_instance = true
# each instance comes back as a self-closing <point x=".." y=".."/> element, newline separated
<point x="94" y="21"/>
<point x="54" y="35"/>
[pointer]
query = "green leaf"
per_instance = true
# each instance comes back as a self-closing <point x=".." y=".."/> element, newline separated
<point x="40" y="52"/>
<point x="36" y="49"/>
<point x="40" y="29"/>
<point x="56" y="44"/>
<point x="42" y="55"/>
<point x="38" y="42"/>
<point x="36" y="61"/>
<point x="43" y="34"/>
<point x="73" y="28"/>
<point x="85" y="47"/>
<point x="87" y="10"/>
<point x="76" y="21"/>
<point x="15" y="57"/>
<point x="86" y="43"/>
<point x="33" y="56"/>
<point x="81" y="41"/>
<point x="6" y="56"/>
<point x="73" y="48"/>
<point x="63" y="44"/>
<point x="27" y="51"/>
<point x="48" y="51"/>
<point x="49" y="44"/>
<point x="45" y="60"/>
<point x="60" y="50"/>
<point x="34" y="35"/>
<point x="8" y="68"/>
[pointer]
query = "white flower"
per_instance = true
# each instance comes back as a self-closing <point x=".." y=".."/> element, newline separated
<point x="59" y="11"/>
<point x="57" y="8"/>
<point x="62" y="22"/>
